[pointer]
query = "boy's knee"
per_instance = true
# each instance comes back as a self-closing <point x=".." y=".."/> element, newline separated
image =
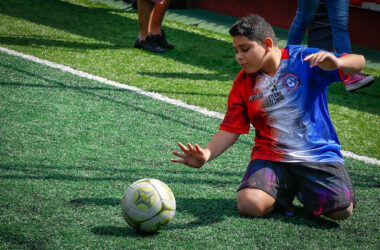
<point x="342" y="213"/>
<point x="254" y="202"/>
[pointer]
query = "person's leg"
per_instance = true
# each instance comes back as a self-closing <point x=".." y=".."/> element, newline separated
<point x="254" y="202"/>
<point x="156" y="31"/>
<point x="305" y="13"/>
<point x="320" y="30"/>
<point x="264" y="185"/>
<point x="144" y="11"/>
<point x="338" y="15"/>
<point x="144" y="40"/>
<point x="157" y="17"/>
<point x="342" y="213"/>
<point x="324" y="189"/>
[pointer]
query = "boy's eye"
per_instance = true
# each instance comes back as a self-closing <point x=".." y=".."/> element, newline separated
<point x="242" y="49"/>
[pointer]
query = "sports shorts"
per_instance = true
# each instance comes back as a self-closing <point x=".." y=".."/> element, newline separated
<point x="320" y="187"/>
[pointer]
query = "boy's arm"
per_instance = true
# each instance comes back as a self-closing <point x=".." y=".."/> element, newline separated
<point x="349" y="64"/>
<point x="196" y="157"/>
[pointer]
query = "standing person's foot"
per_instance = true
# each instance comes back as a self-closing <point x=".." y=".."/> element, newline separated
<point x="358" y="81"/>
<point x="161" y="41"/>
<point x="149" y="45"/>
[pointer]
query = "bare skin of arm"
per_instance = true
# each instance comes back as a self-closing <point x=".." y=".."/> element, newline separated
<point x="196" y="157"/>
<point x="349" y="64"/>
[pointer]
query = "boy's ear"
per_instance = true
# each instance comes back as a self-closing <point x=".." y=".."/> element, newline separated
<point x="268" y="43"/>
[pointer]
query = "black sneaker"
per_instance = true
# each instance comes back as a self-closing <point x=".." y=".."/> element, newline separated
<point x="149" y="45"/>
<point x="160" y="40"/>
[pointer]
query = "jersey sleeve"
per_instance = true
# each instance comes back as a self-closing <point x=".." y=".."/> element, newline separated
<point x="236" y="119"/>
<point x="327" y="77"/>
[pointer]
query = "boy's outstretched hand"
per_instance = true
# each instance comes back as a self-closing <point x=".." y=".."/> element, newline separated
<point x="349" y="64"/>
<point x="194" y="157"/>
<point x="325" y="60"/>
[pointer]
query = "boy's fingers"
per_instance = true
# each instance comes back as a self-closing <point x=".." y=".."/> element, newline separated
<point x="177" y="160"/>
<point x="317" y="58"/>
<point x="307" y="58"/>
<point x="178" y="154"/>
<point x="322" y="57"/>
<point x="183" y="147"/>
<point x="190" y="147"/>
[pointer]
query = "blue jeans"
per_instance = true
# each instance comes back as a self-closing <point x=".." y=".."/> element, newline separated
<point x="338" y="16"/>
<point x="320" y="35"/>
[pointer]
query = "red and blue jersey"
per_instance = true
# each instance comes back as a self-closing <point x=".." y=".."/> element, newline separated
<point x="288" y="111"/>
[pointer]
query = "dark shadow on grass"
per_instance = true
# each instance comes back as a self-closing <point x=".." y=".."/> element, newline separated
<point x="14" y="234"/>
<point x="97" y="23"/>
<point x="96" y="201"/>
<point x="189" y="93"/>
<point x="126" y="231"/>
<point x="212" y="177"/>
<point x="43" y="42"/>
<point x="301" y="218"/>
<point x="135" y="169"/>
<point x="127" y="180"/>
<point x="127" y="175"/>
<point x="21" y="84"/>
<point x="360" y="179"/>
<point x="192" y="76"/>
<point x="210" y="211"/>
<point x="115" y="231"/>
<point x="207" y="212"/>
<point x="31" y="85"/>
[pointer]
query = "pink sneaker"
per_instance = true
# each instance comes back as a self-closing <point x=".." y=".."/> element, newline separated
<point x="358" y="81"/>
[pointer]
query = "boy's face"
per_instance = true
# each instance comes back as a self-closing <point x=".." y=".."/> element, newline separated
<point x="249" y="54"/>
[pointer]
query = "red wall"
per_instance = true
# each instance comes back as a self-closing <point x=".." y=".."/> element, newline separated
<point x="363" y="27"/>
<point x="280" y="13"/>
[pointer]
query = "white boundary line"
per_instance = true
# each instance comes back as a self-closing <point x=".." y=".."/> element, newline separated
<point x="153" y="95"/>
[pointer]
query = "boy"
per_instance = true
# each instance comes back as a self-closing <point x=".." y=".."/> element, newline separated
<point x="282" y="93"/>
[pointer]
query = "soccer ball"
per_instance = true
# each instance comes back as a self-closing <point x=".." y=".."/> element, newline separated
<point x="148" y="205"/>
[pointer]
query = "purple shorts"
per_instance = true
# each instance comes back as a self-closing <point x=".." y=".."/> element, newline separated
<point x="320" y="187"/>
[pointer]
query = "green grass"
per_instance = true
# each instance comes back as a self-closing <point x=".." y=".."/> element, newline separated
<point x="200" y="71"/>
<point x="70" y="146"/>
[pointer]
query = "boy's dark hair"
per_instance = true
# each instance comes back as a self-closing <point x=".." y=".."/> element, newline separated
<point x="254" y="27"/>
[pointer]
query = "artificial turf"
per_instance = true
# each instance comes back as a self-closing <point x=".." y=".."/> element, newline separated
<point x="70" y="146"/>
<point x="98" y="39"/>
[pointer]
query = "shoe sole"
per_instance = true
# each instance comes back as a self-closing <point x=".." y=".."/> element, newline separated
<point x="361" y="84"/>
<point x="153" y="51"/>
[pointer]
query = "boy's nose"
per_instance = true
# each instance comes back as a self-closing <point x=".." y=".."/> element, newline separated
<point x="238" y="56"/>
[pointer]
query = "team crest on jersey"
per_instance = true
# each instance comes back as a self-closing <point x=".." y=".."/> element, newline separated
<point x="291" y="82"/>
